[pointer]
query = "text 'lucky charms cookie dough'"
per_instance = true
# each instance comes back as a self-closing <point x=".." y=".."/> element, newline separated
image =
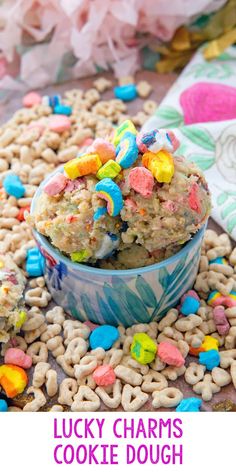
<point x="127" y="202"/>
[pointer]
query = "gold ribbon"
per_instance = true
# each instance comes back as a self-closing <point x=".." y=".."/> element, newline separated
<point x="220" y="33"/>
<point x="216" y="47"/>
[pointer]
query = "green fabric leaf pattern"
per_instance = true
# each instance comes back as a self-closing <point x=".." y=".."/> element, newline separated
<point x="227" y="201"/>
<point x="228" y="209"/>
<point x="172" y="117"/>
<point x="204" y="161"/>
<point x="182" y="150"/>
<point x="211" y="70"/>
<point x="231" y="224"/>
<point x="199" y="136"/>
<point x="221" y="199"/>
<point x="225" y="56"/>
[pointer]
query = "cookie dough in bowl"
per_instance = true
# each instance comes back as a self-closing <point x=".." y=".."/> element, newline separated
<point x="155" y="211"/>
<point x="68" y="221"/>
<point x="115" y="230"/>
<point x="171" y="215"/>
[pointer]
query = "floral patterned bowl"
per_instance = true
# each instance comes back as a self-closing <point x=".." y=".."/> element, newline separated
<point x="119" y="296"/>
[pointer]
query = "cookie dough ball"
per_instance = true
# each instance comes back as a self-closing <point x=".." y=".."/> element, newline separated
<point x="67" y="219"/>
<point x="171" y="214"/>
<point x="162" y="200"/>
<point x="12" y="285"/>
<point x="130" y="258"/>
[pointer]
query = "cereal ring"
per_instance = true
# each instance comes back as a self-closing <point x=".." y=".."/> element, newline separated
<point x="206" y="388"/>
<point x="85" y="400"/>
<point x="168" y="398"/>
<point x="154" y="381"/>
<point x="110" y="401"/>
<point x="133" y="398"/>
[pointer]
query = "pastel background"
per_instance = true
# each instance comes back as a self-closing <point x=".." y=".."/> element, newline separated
<point x="47" y="41"/>
<point x="201" y="109"/>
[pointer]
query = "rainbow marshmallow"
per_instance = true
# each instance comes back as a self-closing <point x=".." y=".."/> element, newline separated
<point x="127" y="151"/>
<point x="219" y="260"/>
<point x="215" y="298"/>
<point x="111" y="193"/>
<point x="127" y="125"/>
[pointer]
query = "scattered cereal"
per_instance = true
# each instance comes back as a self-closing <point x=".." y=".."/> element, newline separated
<point x="33" y="143"/>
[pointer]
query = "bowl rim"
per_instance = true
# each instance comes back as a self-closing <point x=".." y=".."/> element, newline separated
<point x="43" y="241"/>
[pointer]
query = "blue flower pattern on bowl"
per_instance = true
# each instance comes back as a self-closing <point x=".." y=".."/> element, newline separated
<point x="106" y="298"/>
<point x="118" y="297"/>
<point x="56" y="274"/>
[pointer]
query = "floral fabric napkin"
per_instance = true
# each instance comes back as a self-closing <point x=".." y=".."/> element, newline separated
<point x="201" y="109"/>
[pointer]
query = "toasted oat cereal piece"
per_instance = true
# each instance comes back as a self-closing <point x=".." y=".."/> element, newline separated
<point x="102" y="84"/>
<point x="144" y="88"/>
